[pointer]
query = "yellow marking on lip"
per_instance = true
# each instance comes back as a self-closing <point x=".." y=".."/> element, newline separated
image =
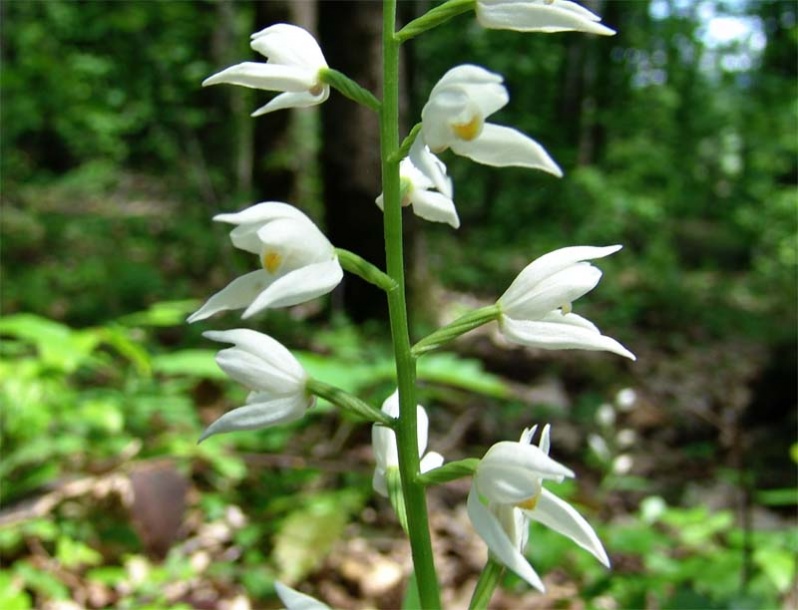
<point x="566" y="309"/>
<point x="529" y="503"/>
<point x="468" y="131"/>
<point x="272" y="261"/>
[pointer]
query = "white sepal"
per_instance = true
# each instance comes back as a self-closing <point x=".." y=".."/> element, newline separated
<point x="294" y="65"/>
<point x="547" y="16"/>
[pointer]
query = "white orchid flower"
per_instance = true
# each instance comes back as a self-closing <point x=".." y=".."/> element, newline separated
<point x="386" y="453"/>
<point x="454" y="117"/>
<point x="276" y="379"/>
<point x="299" y="263"/>
<point x="295" y="62"/>
<point x="507" y="492"/>
<point x="536" y="308"/>
<point x="420" y="173"/>
<point x="294" y="600"/>
<point x="546" y="16"/>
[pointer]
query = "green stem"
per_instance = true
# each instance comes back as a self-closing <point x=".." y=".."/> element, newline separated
<point x="406" y="431"/>
<point x="407" y="143"/>
<point x="345" y="85"/>
<point x="463" y="324"/>
<point x="348" y="402"/>
<point x="434" y="17"/>
<point x="486" y="585"/>
<point x="364" y="269"/>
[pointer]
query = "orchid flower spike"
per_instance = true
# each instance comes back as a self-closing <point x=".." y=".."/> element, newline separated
<point x="299" y="263"/>
<point x="454" y="117"/>
<point x="536" y="308"/>
<point x="507" y="492"/>
<point x="386" y="453"/>
<point x="546" y="16"/>
<point x="276" y="379"/>
<point x="294" y="65"/>
<point x="420" y="173"/>
<point x="294" y="600"/>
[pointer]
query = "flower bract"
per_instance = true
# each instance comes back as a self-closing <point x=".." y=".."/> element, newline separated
<point x="276" y="379"/>
<point x="546" y="16"/>
<point x="298" y="262"/>
<point x="507" y="492"/>
<point x="454" y="117"/>
<point x="386" y="453"/>
<point x="426" y="186"/>
<point x="536" y="308"/>
<point x="294" y="64"/>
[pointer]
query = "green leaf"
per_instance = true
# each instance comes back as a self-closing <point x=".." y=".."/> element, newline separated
<point x="192" y="362"/>
<point x="450" y="471"/>
<point x="58" y="345"/>
<point x="778" y="565"/>
<point x="74" y="554"/>
<point x="43" y="583"/>
<point x="411" y="600"/>
<point x="449" y="369"/>
<point x="308" y="534"/>
<point x="12" y="597"/>
<point x="350" y="376"/>
<point x="778" y="497"/>
<point x="164" y="313"/>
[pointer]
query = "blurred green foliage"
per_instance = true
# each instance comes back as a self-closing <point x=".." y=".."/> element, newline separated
<point x="113" y="159"/>
<point x="102" y="401"/>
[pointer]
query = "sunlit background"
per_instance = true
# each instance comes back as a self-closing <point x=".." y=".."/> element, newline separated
<point x="678" y="140"/>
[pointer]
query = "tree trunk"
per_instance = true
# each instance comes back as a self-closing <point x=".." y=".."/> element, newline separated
<point x="350" y="35"/>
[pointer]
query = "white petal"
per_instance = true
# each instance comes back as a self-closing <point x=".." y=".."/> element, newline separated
<point x="409" y="172"/>
<point x="500" y="146"/>
<point x="269" y="412"/>
<point x="298" y="243"/>
<point x="236" y="295"/>
<point x="383" y="444"/>
<point x="284" y="43"/>
<point x="554" y="291"/>
<point x="545" y="439"/>
<point x="567" y="333"/>
<point x="270" y="77"/>
<point x="511" y="472"/>
<point x="483" y="88"/>
<point x="383" y="439"/>
<point x="558" y="16"/>
<point x="527" y="435"/>
<point x="432" y="167"/>
<point x="469" y="75"/>
<point x="294" y="600"/>
<point x="444" y="108"/>
<point x="261" y="213"/>
<point x="244" y="236"/>
<point x="435" y="207"/>
<point x="560" y="516"/>
<point x="275" y="360"/>
<point x="431" y="461"/>
<point x="549" y="264"/>
<point x="298" y="286"/>
<point x="294" y="99"/>
<point x="379" y="482"/>
<point x="499" y="544"/>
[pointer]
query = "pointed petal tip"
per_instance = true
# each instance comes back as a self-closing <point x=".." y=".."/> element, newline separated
<point x="205" y="435"/>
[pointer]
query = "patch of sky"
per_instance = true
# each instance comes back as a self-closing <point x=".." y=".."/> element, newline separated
<point x="732" y="40"/>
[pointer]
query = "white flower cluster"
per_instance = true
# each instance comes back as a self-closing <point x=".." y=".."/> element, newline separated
<point x="297" y="263"/>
